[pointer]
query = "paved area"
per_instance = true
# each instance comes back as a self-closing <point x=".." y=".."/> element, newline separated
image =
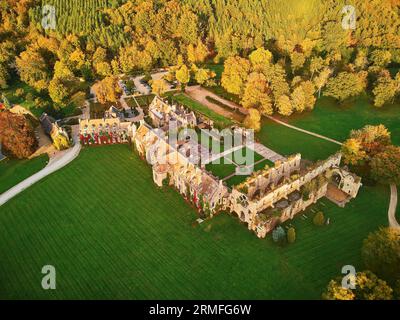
<point x="267" y="153"/>
<point x="54" y="164"/>
<point x="141" y="87"/>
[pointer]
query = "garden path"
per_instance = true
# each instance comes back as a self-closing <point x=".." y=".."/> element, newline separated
<point x="55" y="163"/>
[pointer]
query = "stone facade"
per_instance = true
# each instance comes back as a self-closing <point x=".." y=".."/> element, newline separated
<point x="174" y="168"/>
<point x="267" y="198"/>
<point x="104" y="131"/>
<point x="162" y="114"/>
<point x="53" y="130"/>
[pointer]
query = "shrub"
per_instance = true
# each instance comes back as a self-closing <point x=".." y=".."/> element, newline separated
<point x="381" y="253"/>
<point x="19" y="93"/>
<point x="29" y="97"/>
<point x="319" y="219"/>
<point x="279" y="235"/>
<point x="291" y="235"/>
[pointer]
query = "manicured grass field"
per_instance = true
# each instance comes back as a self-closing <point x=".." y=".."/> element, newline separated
<point x="143" y="101"/>
<point x="13" y="171"/>
<point x="198" y="107"/>
<point x="225" y="167"/>
<point x="111" y="233"/>
<point x="337" y="120"/>
<point x="287" y="141"/>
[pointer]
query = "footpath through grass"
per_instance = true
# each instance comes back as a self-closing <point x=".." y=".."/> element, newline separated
<point x="111" y="233"/>
<point x="13" y="171"/>
<point x="337" y="120"/>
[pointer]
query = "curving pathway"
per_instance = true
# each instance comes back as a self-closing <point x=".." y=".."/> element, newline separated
<point x="304" y="131"/>
<point x="54" y="164"/>
<point x="392" y="207"/>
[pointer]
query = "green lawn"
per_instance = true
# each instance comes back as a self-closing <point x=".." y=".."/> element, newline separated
<point x="143" y="101"/>
<point x="198" y="107"/>
<point x="287" y="142"/>
<point x="113" y="234"/>
<point x="226" y="168"/>
<point x="222" y="170"/>
<point x="13" y="171"/>
<point x="335" y="121"/>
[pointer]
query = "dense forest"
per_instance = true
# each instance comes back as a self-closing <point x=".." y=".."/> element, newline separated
<point x="277" y="58"/>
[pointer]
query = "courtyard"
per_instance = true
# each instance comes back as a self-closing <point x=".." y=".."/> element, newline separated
<point x="229" y="167"/>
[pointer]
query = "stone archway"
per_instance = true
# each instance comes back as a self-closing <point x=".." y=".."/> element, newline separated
<point x="337" y="178"/>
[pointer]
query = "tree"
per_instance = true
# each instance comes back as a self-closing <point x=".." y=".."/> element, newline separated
<point x="319" y="219"/>
<point x="204" y="76"/>
<point x="322" y="79"/>
<point x="381" y="253"/>
<point x="128" y="59"/>
<point x="298" y="60"/>
<point x="58" y="91"/>
<point x="299" y="99"/>
<point x="188" y="26"/>
<point x="276" y="75"/>
<point x="256" y="94"/>
<point x="284" y="105"/>
<point x="4" y="76"/>
<point x="316" y="65"/>
<point x="199" y="53"/>
<point x="17" y="136"/>
<point x="33" y="69"/>
<point x="381" y="58"/>
<point x="236" y="72"/>
<point x="103" y="69"/>
<point x="183" y="76"/>
<point x="260" y="58"/>
<point x="385" y="166"/>
<point x="352" y="152"/>
<point x="279" y="235"/>
<point x="368" y="287"/>
<point x="373" y="139"/>
<point x="107" y="90"/>
<point x="309" y="90"/>
<point x="361" y="60"/>
<point x="60" y="141"/>
<point x="345" y="85"/>
<point x="384" y="91"/>
<point x="335" y="291"/>
<point x="6" y="103"/>
<point x="159" y="87"/>
<point x="253" y="120"/>
<point x="291" y="235"/>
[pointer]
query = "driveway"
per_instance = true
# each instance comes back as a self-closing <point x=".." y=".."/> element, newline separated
<point x="57" y="162"/>
<point x="142" y="88"/>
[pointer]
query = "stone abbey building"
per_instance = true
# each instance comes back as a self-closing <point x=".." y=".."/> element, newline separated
<point x="264" y="200"/>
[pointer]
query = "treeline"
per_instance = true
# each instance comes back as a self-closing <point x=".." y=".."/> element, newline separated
<point x="302" y="45"/>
